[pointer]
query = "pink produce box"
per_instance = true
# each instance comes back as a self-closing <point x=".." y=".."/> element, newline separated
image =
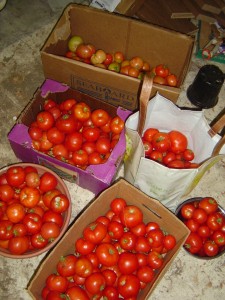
<point x="95" y="177"/>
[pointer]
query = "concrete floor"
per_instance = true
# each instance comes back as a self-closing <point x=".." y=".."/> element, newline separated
<point x="24" y="26"/>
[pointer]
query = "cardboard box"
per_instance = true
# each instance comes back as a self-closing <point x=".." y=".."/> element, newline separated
<point x="96" y="177"/>
<point x="129" y="7"/>
<point x="113" y="32"/>
<point x="152" y="210"/>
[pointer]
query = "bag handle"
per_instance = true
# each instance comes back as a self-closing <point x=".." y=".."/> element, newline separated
<point x="217" y="127"/>
<point x="143" y="101"/>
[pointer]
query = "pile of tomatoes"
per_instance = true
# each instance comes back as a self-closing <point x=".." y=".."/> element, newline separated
<point x="134" y="67"/>
<point x="168" y="148"/>
<point x="75" y="134"/>
<point x="117" y="255"/>
<point x="207" y="225"/>
<point x="32" y="209"/>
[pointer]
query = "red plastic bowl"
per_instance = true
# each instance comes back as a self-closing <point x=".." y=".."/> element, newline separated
<point x="63" y="188"/>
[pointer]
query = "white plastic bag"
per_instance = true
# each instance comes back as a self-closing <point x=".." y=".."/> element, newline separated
<point x="168" y="185"/>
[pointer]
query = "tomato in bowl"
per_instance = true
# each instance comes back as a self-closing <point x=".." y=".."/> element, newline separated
<point x="205" y="219"/>
<point x="35" y="210"/>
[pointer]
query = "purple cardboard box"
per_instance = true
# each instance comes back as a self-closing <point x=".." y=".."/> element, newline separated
<point x="95" y="177"/>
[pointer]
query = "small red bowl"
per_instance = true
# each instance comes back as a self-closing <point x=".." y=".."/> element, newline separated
<point x="66" y="215"/>
<point x="178" y="214"/>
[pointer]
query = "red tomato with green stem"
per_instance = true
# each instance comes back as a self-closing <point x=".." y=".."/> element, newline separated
<point x="29" y="196"/>
<point x="81" y="111"/>
<point x="95" y="232"/>
<point x="107" y="254"/>
<point x="55" y="136"/>
<point x="15" y="212"/>
<point x="6" y="192"/>
<point x="116" y="125"/>
<point x="60" y="203"/>
<point x="95" y="283"/>
<point x="15" y="176"/>
<point x="178" y="141"/>
<point x="161" y="141"/>
<point x="45" y="120"/>
<point x="83" y="267"/>
<point x="84" y="247"/>
<point x="128" y="285"/>
<point x="99" y="117"/>
<point x="210" y="248"/>
<point x="56" y="282"/>
<point x="18" y="245"/>
<point x="209" y="205"/>
<point x="154" y="259"/>
<point x="66" y="265"/>
<point x="117" y="205"/>
<point x="50" y="231"/>
<point x="127" y="263"/>
<point x="73" y="141"/>
<point x="172" y="80"/>
<point x="193" y="243"/>
<point x="80" y="157"/>
<point x="131" y="216"/>
<point x="162" y="70"/>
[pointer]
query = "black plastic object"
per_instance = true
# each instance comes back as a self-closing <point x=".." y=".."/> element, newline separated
<point x="204" y="90"/>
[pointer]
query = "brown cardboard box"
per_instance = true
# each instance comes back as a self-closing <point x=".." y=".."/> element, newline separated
<point x="129" y="7"/>
<point x="152" y="210"/>
<point x="113" y="32"/>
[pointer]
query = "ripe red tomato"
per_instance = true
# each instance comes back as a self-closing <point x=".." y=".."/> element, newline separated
<point x="45" y="120"/>
<point x="76" y="292"/>
<point x="32" y="179"/>
<point x="116" y="125"/>
<point x="80" y="157"/>
<point x="154" y="259"/>
<point x="56" y="282"/>
<point x="188" y="154"/>
<point x="209" y="205"/>
<point x="29" y="196"/>
<point x="199" y="215"/>
<point x="60" y="152"/>
<point x="107" y="254"/>
<point x="145" y="274"/>
<point x="49" y="103"/>
<point x="33" y="223"/>
<point x="178" y="141"/>
<point x="155" y="237"/>
<point x="6" y="229"/>
<point x="162" y="70"/>
<point x="99" y="117"/>
<point x="161" y="141"/>
<point x="215" y="221"/>
<point x="95" y="283"/>
<point x="128" y="241"/>
<point x="83" y="246"/>
<point x="47" y="182"/>
<point x="192" y="225"/>
<point x="110" y="293"/>
<point x="35" y="133"/>
<point x="176" y="164"/>
<point x="210" y="248"/>
<point x="55" y="136"/>
<point x="81" y="111"/>
<point x="95" y="232"/>
<point x="50" y="230"/>
<point x="203" y="231"/>
<point x="128" y="285"/>
<point x="67" y="104"/>
<point x="15" y="176"/>
<point x="37" y="241"/>
<point x="103" y="145"/>
<point x="117" y="205"/>
<point x="187" y="210"/>
<point x="51" y="216"/>
<point x="66" y="265"/>
<point x="6" y="192"/>
<point x="169" y="242"/>
<point x="115" y="230"/>
<point x="131" y="216"/>
<point x="59" y="203"/>
<point x="15" y="212"/>
<point x="170" y="156"/>
<point x="142" y="245"/>
<point x="95" y="158"/>
<point x="18" y="245"/>
<point x="171" y="80"/>
<point x="67" y="124"/>
<point x="193" y="243"/>
<point x="19" y="229"/>
<point x="156" y="155"/>
<point x="127" y="263"/>
<point x="91" y="133"/>
<point x="83" y="267"/>
<point x="73" y="141"/>
<point x="159" y="80"/>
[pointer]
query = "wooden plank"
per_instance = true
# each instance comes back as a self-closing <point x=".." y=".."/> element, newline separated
<point x="199" y="13"/>
<point x="178" y="9"/>
<point x="221" y="4"/>
<point x="209" y="5"/>
<point x="151" y="11"/>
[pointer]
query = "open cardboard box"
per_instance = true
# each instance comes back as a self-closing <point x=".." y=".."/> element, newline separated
<point x="113" y="32"/>
<point x="152" y="210"/>
<point x="96" y="177"/>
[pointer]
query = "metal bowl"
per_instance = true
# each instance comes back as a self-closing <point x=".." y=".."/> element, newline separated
<point x="178" y="214"/>
<point x="66" y="215"/>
